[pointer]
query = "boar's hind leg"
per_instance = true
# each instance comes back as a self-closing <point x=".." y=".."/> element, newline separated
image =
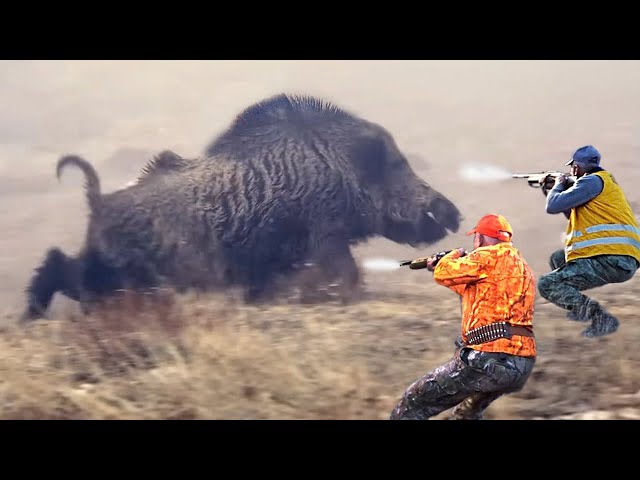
<point x="58" y="273"/>
<point x="101" y="280"/>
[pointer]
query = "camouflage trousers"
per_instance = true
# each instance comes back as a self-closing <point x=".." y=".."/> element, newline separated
<point x="563" y="287"/>
<point x="470" y="382"/>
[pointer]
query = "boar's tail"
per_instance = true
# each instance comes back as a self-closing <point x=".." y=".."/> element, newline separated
<point x="92" y="182"/>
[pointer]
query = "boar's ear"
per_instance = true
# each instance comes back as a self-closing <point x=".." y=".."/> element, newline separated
<point x="369" y="159"/>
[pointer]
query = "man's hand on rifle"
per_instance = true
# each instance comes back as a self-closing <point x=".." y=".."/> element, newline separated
<point x="562" y="180"/>
<point x="547" y="183"/>
<point x="550" y="181"/>
<point x="433" y="260"/>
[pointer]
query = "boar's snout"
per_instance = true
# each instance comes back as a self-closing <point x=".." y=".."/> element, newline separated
<point x="424" y="219"/>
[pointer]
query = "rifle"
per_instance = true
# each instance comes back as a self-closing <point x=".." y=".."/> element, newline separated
<point x="422" y="262"/>
<point x="534" y="178"/>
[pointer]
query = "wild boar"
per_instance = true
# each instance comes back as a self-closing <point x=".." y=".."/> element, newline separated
<point x="289" y="187"/>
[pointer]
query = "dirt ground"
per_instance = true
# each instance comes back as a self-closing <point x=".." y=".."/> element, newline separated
<point x="330" y="361"/>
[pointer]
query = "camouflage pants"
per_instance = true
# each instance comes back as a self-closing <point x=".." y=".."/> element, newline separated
<point x="563" y="287"/>
<point x="470" y="382"/>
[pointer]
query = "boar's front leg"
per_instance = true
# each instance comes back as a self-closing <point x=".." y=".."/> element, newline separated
<point x="331" y="272"/>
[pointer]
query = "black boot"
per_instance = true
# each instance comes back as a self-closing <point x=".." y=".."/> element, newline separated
<point x="583" y="312"/>
<point x="602" y="322"/>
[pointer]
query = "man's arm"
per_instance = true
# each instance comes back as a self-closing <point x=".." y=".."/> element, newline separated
<point x="455" y="271"/>
<point x="585" y="189"/>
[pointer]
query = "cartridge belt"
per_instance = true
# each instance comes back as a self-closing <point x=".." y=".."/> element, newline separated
<point x="496" y="330"/>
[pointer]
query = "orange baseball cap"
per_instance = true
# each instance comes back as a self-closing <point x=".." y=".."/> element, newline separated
<point x="495" y="226"/>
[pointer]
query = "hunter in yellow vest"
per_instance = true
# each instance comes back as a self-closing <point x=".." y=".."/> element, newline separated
<point x="602" y="244"/>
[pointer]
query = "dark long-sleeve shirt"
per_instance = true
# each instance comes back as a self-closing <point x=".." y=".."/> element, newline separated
<point x="584" y="189"/>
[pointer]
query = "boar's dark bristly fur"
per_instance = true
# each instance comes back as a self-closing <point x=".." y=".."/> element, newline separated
<point x="288" y="188"/>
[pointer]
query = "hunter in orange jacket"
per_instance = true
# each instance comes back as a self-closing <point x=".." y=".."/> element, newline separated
<point x="496" y="285"/>
<point x="497" y="349"/>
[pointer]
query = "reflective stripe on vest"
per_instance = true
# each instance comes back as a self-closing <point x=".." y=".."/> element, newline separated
<point x="604" y="241"/>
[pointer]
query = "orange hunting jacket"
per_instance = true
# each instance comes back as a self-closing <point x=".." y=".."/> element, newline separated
<point x="496" y="285"/>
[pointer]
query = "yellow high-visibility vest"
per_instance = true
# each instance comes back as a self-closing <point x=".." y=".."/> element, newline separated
<point x="605" y="225"/>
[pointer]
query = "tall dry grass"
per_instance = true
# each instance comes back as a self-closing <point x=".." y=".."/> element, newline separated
<point x="173" y="359"/>
<point x="188" y="357"/>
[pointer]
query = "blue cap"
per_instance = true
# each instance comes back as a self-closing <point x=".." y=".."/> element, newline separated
<point x="587" y="156"/>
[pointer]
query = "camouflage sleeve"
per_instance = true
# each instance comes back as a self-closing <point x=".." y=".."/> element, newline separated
<point x="455" y="272"/>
